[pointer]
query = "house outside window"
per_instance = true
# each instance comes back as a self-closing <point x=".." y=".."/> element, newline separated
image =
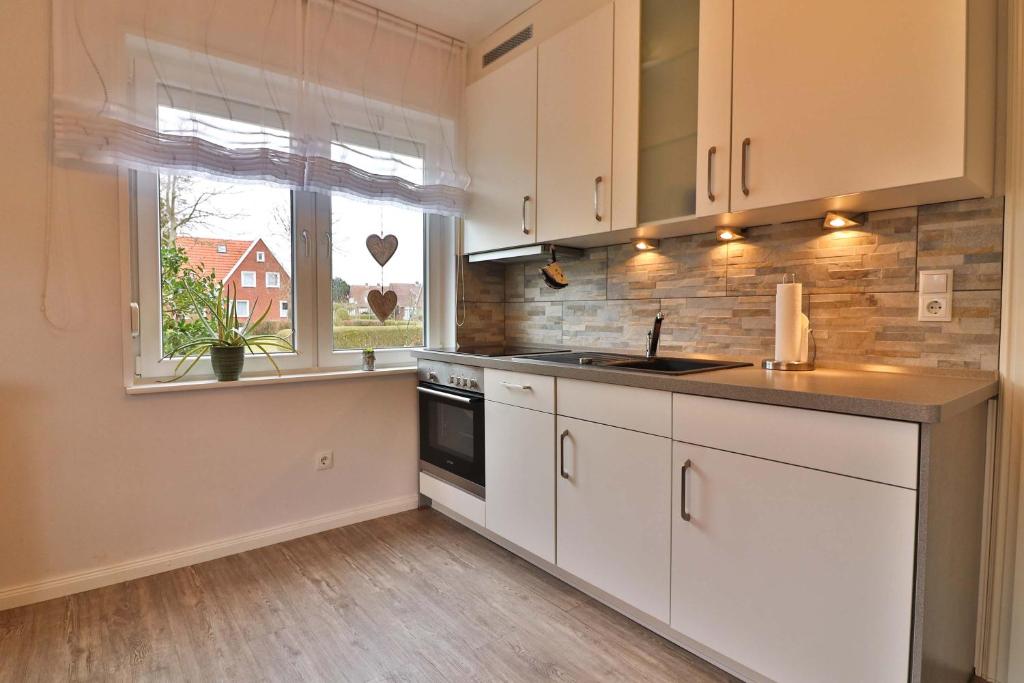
<point x="248" y="278"/>
<point x="283" y="309"/>
<point x="261" y="256"/>
<point x="272" y="279"/>
<point x="243" y="308"/>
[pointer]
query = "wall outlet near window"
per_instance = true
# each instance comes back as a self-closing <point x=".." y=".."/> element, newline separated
<point x="325" y="460"/>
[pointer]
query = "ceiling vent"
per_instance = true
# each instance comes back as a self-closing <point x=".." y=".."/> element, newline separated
<point x="509" y="45"/>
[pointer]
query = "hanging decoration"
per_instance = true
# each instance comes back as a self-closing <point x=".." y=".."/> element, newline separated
<point x="382" y="247"/>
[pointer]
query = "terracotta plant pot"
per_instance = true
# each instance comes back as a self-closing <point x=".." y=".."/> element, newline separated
<point x="227" y="362"/>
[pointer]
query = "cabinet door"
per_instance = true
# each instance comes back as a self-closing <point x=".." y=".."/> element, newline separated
<point x="800" y="575"/>
<point x="613" y="512"/>
<point x="520" y="467"/>
<point x="501" y="123"/>
<point x="574" y="129"/>
<point x="824" y="118"/>
<point x="714" y="106"/>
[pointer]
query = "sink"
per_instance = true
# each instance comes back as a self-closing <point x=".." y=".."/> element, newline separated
<point x="616" y="361"/>
<point x="673" y="366"/>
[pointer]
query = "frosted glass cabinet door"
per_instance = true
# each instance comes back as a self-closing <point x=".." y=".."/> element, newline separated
<point x="501" y="123"/>
<point x="574" y="129"/>
<point x="801" y="575"/>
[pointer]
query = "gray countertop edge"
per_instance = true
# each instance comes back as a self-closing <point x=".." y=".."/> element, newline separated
<point x="953" y="394"/>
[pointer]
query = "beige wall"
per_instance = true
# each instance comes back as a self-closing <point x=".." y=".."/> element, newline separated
<point x="90" y="477"/>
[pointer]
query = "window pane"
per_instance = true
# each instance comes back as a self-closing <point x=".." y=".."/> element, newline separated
<point x="356" y="277"/>
<point x="210" y="233"/>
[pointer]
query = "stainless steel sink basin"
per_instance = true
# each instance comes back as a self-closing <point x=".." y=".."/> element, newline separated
<point x="614" y="361"/>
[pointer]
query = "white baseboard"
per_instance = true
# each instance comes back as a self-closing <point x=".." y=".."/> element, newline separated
<point x="69" y="584"/>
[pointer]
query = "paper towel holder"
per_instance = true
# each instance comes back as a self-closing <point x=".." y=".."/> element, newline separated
<point x="789" y="365"/>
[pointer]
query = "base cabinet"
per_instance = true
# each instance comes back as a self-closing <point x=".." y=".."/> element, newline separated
<point x="612" y="497"/>
<point x="801" y="575"/>
<point x="520" y="475"/>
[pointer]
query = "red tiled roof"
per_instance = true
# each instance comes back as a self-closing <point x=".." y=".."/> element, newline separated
<point x="203" y="250"/>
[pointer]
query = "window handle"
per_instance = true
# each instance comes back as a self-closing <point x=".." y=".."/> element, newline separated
<point x="305" y="242"/>
<point x="133" y="315"/>
<point x="330" y="239"/>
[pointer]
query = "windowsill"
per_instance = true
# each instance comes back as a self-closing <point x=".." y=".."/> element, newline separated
<point x="153" y="387"/>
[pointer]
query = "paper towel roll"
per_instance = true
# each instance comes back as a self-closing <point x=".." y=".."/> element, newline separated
<point x="805" y="334"/>
<point x="787" y="322"/>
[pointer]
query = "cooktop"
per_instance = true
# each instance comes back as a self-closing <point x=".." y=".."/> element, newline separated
<point x="495" y="350"/>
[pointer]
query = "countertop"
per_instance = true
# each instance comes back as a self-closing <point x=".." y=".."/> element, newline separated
<point x="890" y="395"/>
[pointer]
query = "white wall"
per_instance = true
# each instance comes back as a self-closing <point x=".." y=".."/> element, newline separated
<point x="90" y="477"/>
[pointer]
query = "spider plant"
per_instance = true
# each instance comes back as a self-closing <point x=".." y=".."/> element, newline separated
<point x="219" y="314"/>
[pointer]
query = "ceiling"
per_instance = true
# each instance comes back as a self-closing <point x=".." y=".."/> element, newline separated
<point x="467" y="20"/>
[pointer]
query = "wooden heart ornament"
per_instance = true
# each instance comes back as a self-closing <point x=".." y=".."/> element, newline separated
<point x="382" y="303"/>
<point x="382" y="248"/>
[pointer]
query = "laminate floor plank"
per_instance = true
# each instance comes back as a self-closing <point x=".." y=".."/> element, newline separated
<point x="411" y="597"/>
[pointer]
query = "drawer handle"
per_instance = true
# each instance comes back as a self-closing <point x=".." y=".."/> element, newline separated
<point x="743" y="169"/>
<point x="682" y="491"/>
<point x="561" y="458"/>
<point x="517" y="387"/>
<point x="711" y="155"/>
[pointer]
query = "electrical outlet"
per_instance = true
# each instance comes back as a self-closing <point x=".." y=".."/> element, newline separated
<point x="325" y="460"/>
<point x="935" y="296"/>
<point x="934" y="308"/>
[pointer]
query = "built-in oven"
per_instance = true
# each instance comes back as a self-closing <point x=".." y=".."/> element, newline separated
<point x="452" y="424"/>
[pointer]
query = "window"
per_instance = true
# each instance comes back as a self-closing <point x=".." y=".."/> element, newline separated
<point x="320" y="287"/>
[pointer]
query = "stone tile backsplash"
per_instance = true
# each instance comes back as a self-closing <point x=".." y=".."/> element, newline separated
<point x="718" y="299"/>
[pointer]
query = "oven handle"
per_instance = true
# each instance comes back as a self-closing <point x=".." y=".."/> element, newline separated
<point x="444" y="394"/>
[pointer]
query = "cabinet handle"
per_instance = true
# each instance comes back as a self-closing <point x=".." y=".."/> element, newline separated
<point x="561" y="456"/>
<point x="526" y="200"/>
<point x="743" y="169"/>
<point x="711" y="155"/>
<point x="597" y="198"/>
<point x="682" y="491"/>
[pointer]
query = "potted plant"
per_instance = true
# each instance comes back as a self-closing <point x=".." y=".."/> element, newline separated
<point x="226" y="339"/>
<point x="369" y="358"/>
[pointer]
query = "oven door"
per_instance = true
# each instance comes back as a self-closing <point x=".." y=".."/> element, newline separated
<point x="452" y="436"/>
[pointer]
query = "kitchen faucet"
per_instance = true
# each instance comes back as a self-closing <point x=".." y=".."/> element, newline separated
<point x="653" y="337"/>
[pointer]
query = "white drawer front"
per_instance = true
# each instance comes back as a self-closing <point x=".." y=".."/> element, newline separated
<point x="865" y="447"/>
<point x="536" y="392"/>
<point x="642" y="410"/>
<point x="455" y="499"/>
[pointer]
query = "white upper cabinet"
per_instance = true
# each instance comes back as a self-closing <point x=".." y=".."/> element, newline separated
<point x="833" y="98"/>
<point x="501" y="124"/>
<point x="574" y="129"/>
<point x="673" y="62"/>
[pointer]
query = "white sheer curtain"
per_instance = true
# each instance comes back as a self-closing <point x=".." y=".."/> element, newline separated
<point x="328" y="95"/>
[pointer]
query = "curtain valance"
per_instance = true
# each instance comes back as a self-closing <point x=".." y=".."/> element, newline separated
<point x="327" y="95"/>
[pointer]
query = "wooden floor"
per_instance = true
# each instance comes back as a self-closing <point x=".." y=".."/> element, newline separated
<point x="411" y="597"/>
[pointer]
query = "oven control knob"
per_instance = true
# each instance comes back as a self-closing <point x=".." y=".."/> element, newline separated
<point x="473" y="384"/>
<point x="432" y="376"/>
<point x="451" y="379"/>
<point x="461" y="381"/>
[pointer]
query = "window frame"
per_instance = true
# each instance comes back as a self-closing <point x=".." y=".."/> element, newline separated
<point x="242" y="278"/>
<point x="266" y="279"/>
<point x="283" y="308"/>
<point x="261" y="257"/>
<point x="309" y="299"/>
